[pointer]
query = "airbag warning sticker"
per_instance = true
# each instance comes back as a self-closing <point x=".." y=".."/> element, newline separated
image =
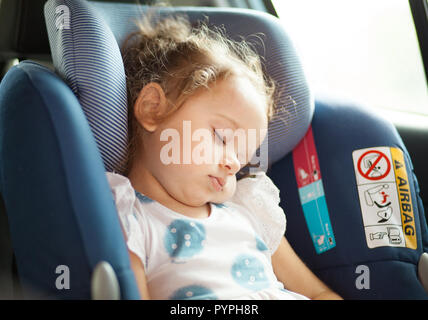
<point x="385" y="198"/>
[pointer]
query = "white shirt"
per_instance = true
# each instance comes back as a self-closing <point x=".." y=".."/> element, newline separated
<point x="224" y="256"/>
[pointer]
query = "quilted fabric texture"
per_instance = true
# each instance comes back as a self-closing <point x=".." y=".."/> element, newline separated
<point x="86" y="55"/>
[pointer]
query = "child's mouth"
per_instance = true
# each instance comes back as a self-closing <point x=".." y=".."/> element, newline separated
<point x="216" y="183"/>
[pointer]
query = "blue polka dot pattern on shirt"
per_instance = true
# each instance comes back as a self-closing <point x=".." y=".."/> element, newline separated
<point x="260" y="244"/>
<point x="248" y="272"/>
<point x="142" y="197"/>
<point x="194" y="292"/>
<point x="219" y="205"/>
<point x="184" y="238"/>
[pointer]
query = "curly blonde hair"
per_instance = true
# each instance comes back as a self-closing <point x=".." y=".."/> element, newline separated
<point x="182" y="59"/>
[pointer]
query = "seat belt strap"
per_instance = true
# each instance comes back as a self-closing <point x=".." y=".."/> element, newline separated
<point x="311" y="193"/>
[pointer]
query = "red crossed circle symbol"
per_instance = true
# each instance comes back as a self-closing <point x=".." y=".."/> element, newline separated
<point x="373" y="166"/>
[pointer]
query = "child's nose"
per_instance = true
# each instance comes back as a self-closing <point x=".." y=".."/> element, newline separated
<point x="231" y="163"/>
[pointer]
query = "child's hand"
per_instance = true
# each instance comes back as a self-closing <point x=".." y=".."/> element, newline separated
<point x="296" y="276"/>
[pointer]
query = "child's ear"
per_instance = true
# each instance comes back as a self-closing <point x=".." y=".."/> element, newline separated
<point x="151" y="102"/>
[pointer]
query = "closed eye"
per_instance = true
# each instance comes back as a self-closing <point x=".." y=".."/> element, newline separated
<point x="219" y="137"/>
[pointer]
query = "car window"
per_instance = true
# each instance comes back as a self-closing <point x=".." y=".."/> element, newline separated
<point x="363" y="50"/>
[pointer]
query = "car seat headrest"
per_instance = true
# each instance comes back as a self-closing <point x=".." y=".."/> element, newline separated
<point x="86" y="55"/>
<point x="85" y="37"/>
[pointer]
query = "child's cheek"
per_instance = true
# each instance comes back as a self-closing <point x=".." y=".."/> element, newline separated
<point x="230" y="188"/>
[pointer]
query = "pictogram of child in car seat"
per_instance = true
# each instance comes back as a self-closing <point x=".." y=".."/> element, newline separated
<point x="372" y="162"/>
<point x="373" y="165"/>
<point x="377" y="196"/>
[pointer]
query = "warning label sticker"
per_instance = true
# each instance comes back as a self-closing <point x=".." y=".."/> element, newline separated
<point x="385" y="199"/>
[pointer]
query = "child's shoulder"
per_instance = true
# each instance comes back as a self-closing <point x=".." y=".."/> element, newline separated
<point x="122" y="191"/>
<point x="116" y="179"/>
<point x="119" y="184"/>
<point x="257" y="184"/>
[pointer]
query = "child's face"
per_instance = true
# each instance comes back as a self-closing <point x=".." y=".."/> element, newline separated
<point x="185" y="139"/>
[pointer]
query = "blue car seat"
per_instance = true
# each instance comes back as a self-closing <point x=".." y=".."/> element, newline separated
<point x="60" y="131"/>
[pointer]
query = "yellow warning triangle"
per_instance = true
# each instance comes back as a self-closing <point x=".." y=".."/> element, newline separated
<point x="398" y="164"/>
